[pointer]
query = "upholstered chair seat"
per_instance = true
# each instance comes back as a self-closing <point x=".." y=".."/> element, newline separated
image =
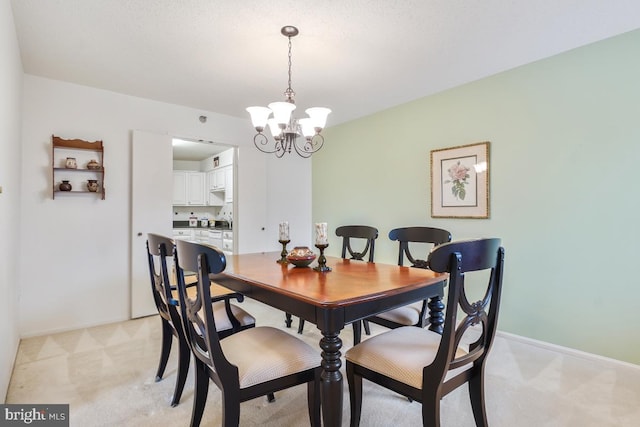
<point x="400" y="353"/>
<point x="264" y="353"/>
<point x="407" y="315"/>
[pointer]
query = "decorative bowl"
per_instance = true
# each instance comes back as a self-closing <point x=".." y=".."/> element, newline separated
<point x="301" y="256"/>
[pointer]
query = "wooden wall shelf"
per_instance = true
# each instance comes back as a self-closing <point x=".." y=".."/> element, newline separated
<point x="63" y="149"/>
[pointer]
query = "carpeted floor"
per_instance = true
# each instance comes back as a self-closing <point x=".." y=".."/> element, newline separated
<point x="106" y="374"/>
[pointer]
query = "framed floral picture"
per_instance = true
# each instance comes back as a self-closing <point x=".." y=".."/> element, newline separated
<point x="460" y="181"/>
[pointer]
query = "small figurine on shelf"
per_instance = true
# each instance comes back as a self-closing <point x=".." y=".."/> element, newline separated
<point x="93" y="165"/>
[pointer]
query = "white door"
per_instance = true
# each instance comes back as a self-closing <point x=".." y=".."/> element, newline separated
<point x="151" y="210"/>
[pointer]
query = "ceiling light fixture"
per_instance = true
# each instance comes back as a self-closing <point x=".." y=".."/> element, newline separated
<point x="285" y="128"/>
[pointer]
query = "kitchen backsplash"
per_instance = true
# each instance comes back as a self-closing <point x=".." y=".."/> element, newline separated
<point x="182" y="213"/>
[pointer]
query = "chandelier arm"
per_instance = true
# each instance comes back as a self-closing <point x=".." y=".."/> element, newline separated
<point x="280" y="151"/>
<point x="302" y="153"/>
<point x="317" y="142"/>
<point x="260" y="140"/>
<point x="311" y="145"/>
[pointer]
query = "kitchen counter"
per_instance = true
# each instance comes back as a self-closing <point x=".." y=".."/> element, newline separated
<point x="219" y="234"/>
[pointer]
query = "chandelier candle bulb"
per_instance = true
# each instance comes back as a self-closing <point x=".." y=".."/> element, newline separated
<point x="321" y="233"/>
<point x="284" y="230"/>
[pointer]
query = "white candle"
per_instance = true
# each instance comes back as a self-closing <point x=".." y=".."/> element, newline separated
<point x="321" y="233"/>
<point x="284" y="231"/>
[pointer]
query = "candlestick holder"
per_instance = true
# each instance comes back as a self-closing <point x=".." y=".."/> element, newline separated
<point x="322" y="261"/>
<point x="283" y="255"/>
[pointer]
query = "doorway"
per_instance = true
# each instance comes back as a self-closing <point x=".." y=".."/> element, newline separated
<point x="216" y="163"/>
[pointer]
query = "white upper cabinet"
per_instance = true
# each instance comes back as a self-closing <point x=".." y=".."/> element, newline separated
<point x="195" y="188"/>
<point x="179" y="188"/>
<point x="188" y="188"/>
<point x="216" y="179"/>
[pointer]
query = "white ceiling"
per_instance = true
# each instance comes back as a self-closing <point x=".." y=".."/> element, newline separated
<point x="356" y="57"/>
<point x="184" y="149"/>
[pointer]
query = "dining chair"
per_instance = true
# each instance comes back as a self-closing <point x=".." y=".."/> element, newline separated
<point x="229" y="317"/>
<point x="248" y="364"/>
<point x="410" y="239"/>
<point x="365" y="237"/>
<point x="424" y="365"/>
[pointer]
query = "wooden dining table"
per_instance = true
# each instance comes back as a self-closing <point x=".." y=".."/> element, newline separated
<point x="351" y="291"/>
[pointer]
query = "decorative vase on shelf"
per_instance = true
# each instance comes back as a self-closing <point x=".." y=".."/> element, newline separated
<point x="92" y="185"/>
<point x="70" y="163"/>
<point x="93" y="165"/>
<point x="65" y="186"/>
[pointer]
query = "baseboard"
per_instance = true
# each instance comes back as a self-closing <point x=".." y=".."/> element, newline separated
<point x="5" y="376"/>
<point x="86" y="325"/>
<point x="567" y="350"/>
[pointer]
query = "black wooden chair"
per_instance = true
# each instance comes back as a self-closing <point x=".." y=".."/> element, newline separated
<point x="348" y="232"/>
<point x="409" y="240"/>
<point x="425" y="366"/>
<point x="365" y="236"/>
<point x="230" y="318"/>
<point x="251" y="363"/>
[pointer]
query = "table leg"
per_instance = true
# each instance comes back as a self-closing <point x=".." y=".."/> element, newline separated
<point x="331" y="378"/>
<point x="436" y="314"/>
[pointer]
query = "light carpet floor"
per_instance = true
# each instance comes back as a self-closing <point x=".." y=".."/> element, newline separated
<point x="106" y="374"/>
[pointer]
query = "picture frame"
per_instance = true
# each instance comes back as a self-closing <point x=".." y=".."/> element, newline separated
<point x="460" y="181"/>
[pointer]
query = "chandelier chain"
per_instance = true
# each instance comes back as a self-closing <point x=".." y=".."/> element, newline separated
<point x="289" y="93"/>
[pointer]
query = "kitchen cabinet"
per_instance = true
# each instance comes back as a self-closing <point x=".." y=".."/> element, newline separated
<point x="189" y="188"/>
<point x="215" y="196"/>
<point x="179" y="188"/>
<point x="215" y="238"/>
<point x="227" y="241"/>
<point x="195" y="188"/>
<point x="216" y="179"/>
<point x="183" y="234"/>
<point x="201" y="235"/>
<point x="73" y="167"/>
<point x="228" y="189"/>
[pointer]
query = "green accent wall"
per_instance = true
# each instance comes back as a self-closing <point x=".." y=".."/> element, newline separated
<point x="564" y="187"/>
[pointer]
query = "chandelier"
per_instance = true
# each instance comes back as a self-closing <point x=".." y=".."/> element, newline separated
<point x="284" y="127"/>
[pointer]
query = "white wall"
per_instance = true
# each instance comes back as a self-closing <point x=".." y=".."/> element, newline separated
<point x="74" y="263"/>
<point x="293" y="182"/>
<point x="10" y="113"/>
